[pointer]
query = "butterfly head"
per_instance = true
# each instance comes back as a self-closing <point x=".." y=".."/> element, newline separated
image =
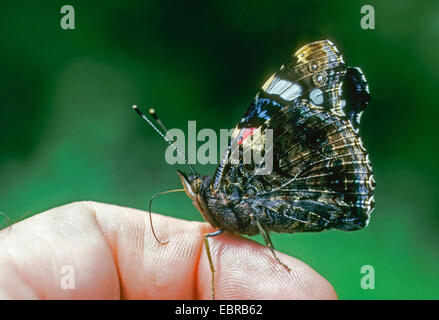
<point x="192" y="184"/>
<point x="197" y="188"/>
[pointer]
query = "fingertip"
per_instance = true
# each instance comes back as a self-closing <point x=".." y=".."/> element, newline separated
<point x="244" y="269"/>
<point x="247" y="270"/>
<point x="118" y="240"/>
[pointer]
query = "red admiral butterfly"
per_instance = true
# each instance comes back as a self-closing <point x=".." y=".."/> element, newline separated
<point x="321" y="177"/>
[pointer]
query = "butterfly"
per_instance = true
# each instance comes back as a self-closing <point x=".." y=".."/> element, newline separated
<point x="321" y="176"/>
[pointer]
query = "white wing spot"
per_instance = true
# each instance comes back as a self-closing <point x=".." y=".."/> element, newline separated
<point x="278" y="86"/>
<point x="316" y="96"/>
<point x="292" y="92"/>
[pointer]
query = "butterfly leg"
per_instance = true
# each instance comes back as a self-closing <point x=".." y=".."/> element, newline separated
<point x="267" y="239"/>
<point x="206" y="245"/>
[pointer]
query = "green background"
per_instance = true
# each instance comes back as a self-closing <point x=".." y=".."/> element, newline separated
<point x="68" y="133"/>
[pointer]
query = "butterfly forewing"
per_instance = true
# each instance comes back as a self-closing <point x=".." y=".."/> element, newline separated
<point x="321" y="176"/>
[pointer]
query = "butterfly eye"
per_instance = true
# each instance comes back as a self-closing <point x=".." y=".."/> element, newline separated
<point x="196" y="185"/>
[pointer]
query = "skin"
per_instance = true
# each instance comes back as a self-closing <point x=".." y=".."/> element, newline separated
<point x="115" y="256"/>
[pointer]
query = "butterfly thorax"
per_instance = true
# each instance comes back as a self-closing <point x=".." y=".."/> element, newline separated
<point x="222" y="210"/>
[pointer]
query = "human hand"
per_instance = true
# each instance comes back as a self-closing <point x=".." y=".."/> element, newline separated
<point x="114" y="255"/>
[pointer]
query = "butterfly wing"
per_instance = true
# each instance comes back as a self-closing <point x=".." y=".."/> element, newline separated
<point x="304" y="121"/>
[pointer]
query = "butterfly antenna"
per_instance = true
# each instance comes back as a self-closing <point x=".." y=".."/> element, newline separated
<point x="181" y="153"/>
<point x="150" y="214"/>
<point x="153" y="113"/>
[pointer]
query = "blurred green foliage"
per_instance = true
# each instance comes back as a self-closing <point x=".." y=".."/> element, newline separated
<point x="68" y="133"/>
